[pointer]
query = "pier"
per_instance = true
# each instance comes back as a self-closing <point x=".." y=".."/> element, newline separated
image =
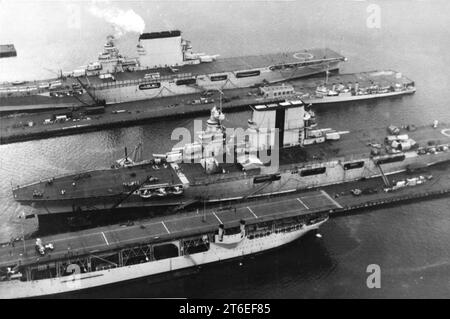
<point x="7" y="51"/>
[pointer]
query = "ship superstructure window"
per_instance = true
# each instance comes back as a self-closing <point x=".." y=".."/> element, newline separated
<point x="391" y="159"/>
<point x="313" y="171"/>
<point x="353" y="165"/>
<point x="186" y="81"/>
<point x="276" y="91"/>
<point x="246" y="74"/>
<point x="221" y="77"/>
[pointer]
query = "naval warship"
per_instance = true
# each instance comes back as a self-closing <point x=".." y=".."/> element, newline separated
<point x="282" y="150"/>
<point x="158" y="249"/>
<point x="165" y="66"/>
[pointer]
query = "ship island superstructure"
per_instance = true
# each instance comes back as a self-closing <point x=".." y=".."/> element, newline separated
<point x="165" y="66"/>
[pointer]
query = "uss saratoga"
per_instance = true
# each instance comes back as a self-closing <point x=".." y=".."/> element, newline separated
<point x="165" y="66"/>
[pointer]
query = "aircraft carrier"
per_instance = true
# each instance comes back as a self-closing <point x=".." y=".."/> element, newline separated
<point x="165" y="66"/>
<point x="155" y="247"/>
<point x="283" y="152"/>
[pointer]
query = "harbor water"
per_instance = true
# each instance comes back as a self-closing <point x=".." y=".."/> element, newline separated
<point x="410" y="243"/>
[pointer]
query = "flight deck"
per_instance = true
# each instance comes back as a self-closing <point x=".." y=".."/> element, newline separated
<point x="166" y="228"/>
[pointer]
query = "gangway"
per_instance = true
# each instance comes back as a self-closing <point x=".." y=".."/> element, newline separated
<point x="383" y="176"/>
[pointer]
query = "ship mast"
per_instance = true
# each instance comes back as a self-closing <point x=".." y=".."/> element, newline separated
<point x="22" y="217"/>
<point x="220" y="99"/>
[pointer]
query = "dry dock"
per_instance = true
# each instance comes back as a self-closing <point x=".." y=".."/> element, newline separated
<point x="24" y="126"/>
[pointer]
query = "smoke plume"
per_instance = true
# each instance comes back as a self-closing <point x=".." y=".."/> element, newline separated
<point x="123" y="21"/>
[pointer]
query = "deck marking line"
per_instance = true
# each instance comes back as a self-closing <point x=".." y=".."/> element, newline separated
<point x="167" y="229"/>
<point x="446" y="132"/>
<point x="311" y="196"/>
<point x="217" y="217"/>
<point x="252" y="212"/>
<point x="301" y="202"/>
<point x="331" y="199"/>
<point x="106" y="240"/>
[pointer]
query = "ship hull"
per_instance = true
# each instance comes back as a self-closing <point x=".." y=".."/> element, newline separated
<point x="216" y="253"/>
<point x="137" y="89"/>
<point x="224" y="190"/>
<point x="118" y="93"/>
<point x="291" y="181"/>
<point x="132" y="93"/>
<point x="350" y="98"/>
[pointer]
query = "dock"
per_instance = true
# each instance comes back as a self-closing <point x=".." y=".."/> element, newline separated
<point x="438" y="186"/>
<point x="18" y="127"/>
<point x="7" y="51"/>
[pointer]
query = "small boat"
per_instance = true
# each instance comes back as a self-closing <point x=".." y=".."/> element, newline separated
<point x="146" y="193"/>
<point x="177" y="190"/>
<point x="161" y="192"/>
